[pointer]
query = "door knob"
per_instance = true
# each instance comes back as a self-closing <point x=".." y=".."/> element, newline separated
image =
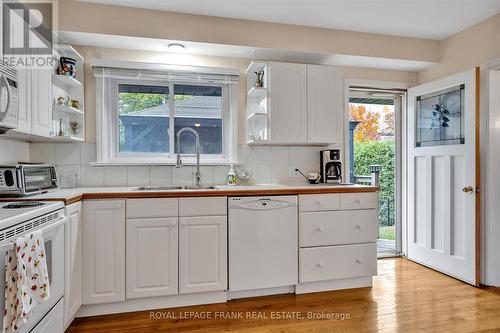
<point x="468" y="189"/>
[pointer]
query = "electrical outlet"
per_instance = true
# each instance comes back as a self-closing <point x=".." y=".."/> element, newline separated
<point x="292" y="173"/>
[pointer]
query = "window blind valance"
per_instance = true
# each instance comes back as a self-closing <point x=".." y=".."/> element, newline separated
<point x="168" y="73"/>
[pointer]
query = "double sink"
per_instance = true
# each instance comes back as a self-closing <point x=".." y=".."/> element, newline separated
<point x="175" y="188"/>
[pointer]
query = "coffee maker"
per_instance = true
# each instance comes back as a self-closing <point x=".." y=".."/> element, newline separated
<point x="331" y="166"/>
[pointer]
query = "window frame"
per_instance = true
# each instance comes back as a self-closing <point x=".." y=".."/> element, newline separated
<point x="109" y="139"/>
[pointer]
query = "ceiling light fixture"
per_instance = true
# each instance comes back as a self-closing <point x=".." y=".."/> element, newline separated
<point x="176" y="47"/>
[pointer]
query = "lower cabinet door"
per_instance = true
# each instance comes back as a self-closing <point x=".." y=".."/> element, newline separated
<point x="73" y="262"/>
<point x="203" y="254"/>
<point x="103" y="251"/>
<point x="152" y="257"/>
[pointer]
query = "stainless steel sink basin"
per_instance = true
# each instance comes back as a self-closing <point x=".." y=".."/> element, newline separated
<point x="158" y="188"/>
<point x="202" y="187"/>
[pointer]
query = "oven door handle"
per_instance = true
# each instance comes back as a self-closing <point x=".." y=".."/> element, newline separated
<point x="12" y="245"/>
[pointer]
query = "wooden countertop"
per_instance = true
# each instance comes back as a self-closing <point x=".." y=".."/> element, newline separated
<point x="74" y="195"/>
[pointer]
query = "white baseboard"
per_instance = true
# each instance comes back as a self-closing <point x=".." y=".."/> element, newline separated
<point x="260" y="292"/>
<point x="313" y="287"/>
<point x="152" y="303"/>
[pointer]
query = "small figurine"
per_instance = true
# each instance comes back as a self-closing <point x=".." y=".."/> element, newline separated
<point x="74" y="104"/>
<point x="259" y="83"/>
<point x="75" y="127"/>
<point x="60" y="100"/>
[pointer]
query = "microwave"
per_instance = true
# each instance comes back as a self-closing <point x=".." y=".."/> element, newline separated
<point x="27" y="179"/>
<point x="9" y="98"/>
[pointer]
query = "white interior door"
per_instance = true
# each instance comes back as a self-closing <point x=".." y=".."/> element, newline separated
<point x="442" y="178"/>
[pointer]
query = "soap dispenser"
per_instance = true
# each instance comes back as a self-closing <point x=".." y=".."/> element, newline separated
<point x="231" y="176"/>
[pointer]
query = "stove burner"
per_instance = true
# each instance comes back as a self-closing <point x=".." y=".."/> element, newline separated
<point x="24" y="204"/>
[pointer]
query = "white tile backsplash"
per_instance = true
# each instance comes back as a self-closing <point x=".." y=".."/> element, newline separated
<point x="268" y="164"/>
<point x="43" y="153"/>
<point x="137" y="175"/>
<point x="92" y="176"/>
<point x="12" y="151"/>
<point x="160" y="175"/>
<point x="87" y="153"/>
<point x="67" y="153"/>
<point x="115" y="176"/>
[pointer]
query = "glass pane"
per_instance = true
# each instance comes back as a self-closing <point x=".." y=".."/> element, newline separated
<point x="200" y="108"/>
<point x="144" y="118"/>
<point x="440" y="117"/>
<point x="37" y="179"/>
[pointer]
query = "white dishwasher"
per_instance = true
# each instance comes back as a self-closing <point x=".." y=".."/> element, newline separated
<point x="263" y="242"/>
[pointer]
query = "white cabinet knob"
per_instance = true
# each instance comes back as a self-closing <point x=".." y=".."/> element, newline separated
<point x="358" y="227"/>
<point x="357" y="201"/>
<point x="358" y="261"/>
<point x="183" y="223"/>
<point x="320" y="265"/>
<point x="173" y="223"/>
<point x="318" y="202"/>
<point x="320" y="229"/>
<point x="119" y="206"/>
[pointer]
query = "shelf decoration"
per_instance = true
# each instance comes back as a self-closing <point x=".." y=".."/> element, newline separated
<point x="259" y="82"/>
<point x="440" y="117"/>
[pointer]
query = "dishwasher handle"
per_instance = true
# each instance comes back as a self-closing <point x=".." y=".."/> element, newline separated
<point x="264" y="204"/>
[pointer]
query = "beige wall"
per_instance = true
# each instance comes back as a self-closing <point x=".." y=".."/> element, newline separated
<point x="115" y="20"/>
<point x="195" y="60"/>
<point x="472" y="47"/>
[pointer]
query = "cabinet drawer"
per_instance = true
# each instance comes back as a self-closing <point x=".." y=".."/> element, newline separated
<point x="318" y="202"/>
<point x="337" y="262"/>
<point x="359" y="200"/>
<point x="338" y="227"/>
<point x="151" y="208"/>
<point x="209" y="206"/>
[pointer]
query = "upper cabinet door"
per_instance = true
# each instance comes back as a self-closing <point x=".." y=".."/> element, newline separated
<point x="24" y="77"/>
<point x="287" y="88"/>
<point x="325" y="91"/>
<point x="42" y="102"/>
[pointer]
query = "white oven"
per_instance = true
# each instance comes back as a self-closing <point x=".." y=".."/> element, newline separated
<point x="48" y="316"/>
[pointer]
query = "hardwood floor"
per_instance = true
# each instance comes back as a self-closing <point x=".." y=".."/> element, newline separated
<point x="405" y="297"/>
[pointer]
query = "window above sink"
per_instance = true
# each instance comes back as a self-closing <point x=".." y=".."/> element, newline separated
<point x="140" y="112"/>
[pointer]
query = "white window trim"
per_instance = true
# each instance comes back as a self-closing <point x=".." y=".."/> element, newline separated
<point x="107" y="131"/>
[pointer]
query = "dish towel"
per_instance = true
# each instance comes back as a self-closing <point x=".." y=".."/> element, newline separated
<point x="26" y="279"/>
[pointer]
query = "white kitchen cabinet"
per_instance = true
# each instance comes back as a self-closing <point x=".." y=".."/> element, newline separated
<point x="41" y="102"/>
<point x="287" y="90"/>
<point x="73" y="262"/>
<point x="103" y="251"/>
<point x="152" y="257"/>
<point x="24" y="76"/>
<point x="203" y="254"/>
<point x="299" y="104"/>
<point x="325" y="112"/>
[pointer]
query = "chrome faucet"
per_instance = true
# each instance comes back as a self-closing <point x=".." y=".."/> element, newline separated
<point x="179" y="160"/>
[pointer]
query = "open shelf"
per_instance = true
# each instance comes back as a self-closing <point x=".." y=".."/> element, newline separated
<point x="66" y="81"/>
<point x="65" y="138"/>
<point x="256" y="114"/>
<point x="257" y="91"/>
<point x="68" y="109"/>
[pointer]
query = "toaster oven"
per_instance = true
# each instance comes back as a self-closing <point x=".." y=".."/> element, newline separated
<point x="27" y="179"/>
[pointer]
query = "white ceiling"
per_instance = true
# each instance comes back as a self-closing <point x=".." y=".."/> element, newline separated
<point x="433" y="19"/>
<point x="195" y="48"/>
